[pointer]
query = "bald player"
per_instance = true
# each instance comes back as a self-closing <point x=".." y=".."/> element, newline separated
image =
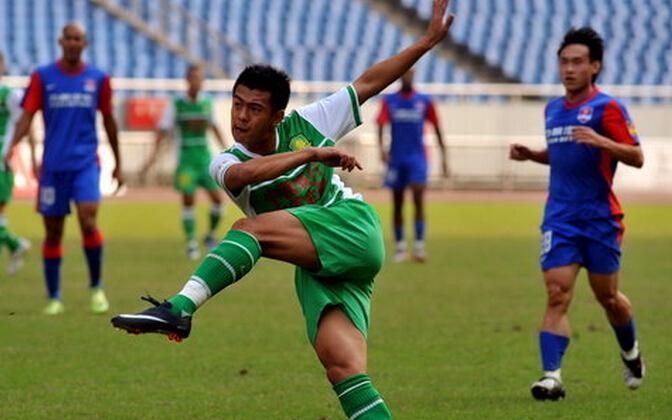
<point x="69" y="93"/>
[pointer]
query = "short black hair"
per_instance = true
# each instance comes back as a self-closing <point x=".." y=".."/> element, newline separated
<point x="192" y="67"/>
<point x="268" y="79"/>
<point x="585" y="36"/>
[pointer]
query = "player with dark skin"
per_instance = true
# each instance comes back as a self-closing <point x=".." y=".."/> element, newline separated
<point x="417" y="189"/>
<point x="73" y="41"/>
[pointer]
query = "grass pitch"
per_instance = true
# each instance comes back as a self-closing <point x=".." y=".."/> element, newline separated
<point x="455" y="338"/>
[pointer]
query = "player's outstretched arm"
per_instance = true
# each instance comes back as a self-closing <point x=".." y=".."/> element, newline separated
<point x="522" y="153"/>
<point x="382" y="74"/>
<point x="270" y="167"/>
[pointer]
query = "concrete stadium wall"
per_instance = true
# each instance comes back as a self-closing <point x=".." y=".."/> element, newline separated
<point x="477" y="136"/>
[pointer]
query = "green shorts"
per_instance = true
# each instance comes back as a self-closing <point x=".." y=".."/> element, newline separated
<point x="188" y="177"/>
<point x="349" y="242"/>
<point x="6" y="186"/>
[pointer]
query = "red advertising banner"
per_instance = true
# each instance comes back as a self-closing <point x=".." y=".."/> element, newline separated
<point x="144" y="113"/>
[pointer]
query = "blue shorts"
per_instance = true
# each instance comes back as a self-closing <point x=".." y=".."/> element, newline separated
<point x="402" y="174"/>
<point x="57" y="189"/>
<point x="594" y="244"/>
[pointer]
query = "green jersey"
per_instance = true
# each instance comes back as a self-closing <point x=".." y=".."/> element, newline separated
<point x="10" y="111"/>
<point x="319" y="124"/>
<point x="189" y="120"/>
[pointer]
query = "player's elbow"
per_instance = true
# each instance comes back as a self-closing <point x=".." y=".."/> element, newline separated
<point x="638" y="159"/>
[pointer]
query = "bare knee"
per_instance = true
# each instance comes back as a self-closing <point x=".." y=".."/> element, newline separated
<point x="609" y="301"/>
<point x="559" y="297"/>
<point x="248" y="225"/>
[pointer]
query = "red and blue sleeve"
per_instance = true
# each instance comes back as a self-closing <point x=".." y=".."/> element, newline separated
<point x="384" y="114"/>
<point x="105" y="97"/>
<point x="618" y="125"/>
<point x="32" y="100"/>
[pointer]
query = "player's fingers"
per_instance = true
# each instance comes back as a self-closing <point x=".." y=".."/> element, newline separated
<point x="449" y="21"/>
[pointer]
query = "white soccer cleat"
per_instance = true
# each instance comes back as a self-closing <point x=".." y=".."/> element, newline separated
<point x="193" y="253"/>
<point x="55" y="307"/>
<point x="99" y="303"/>
<point x="548" y="388"/>
<point x="419" y="253"/>
<point x="634" y="371"/>
<point x="16" y="258"/>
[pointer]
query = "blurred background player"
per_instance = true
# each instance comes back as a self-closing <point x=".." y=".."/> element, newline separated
<point x="587" y="133"/>
<point x="189" y="118"/>
<point x="406" y="111"/>
<point x="10" y="111"/>
<point x="69" y="92"/>
<point x="280" y="173"/>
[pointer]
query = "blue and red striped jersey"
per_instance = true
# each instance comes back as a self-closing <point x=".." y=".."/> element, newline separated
<point x="69" y="101"/>
<point x="582" y="175"/>
<point x="407" y="113"/>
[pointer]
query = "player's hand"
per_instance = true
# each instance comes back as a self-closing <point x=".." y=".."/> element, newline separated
<point x="519" y="152"/>
<point x="444" y="169"/>
<point x="116" y="174"/>
<point x="336" y="158"/>
<point x="385" y="156"/>
<point x="6" y="162"/>
<point x="586" y="135"/>
<point x="37" y="169"/>
<point x="439" y="23"/>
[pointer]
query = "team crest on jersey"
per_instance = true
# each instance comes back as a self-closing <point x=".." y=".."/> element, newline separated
<point x="90" y="85"/>
<point x="299" y="142"/>
<point x="585" y="114"/>
<point x="631" y="128"/>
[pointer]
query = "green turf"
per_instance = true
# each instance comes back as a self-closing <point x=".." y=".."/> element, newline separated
<point x="452" y="339"/>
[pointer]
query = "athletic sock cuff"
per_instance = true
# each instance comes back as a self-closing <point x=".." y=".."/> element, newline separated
<point x="247" y="240"/>
<point x="52" y="250"/>
<point x="93" y="239"/>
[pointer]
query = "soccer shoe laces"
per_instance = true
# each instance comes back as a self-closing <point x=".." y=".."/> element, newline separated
<point x="150" y="299"/>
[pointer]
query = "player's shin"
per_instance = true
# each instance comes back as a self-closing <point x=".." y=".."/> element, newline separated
<point x="360" y="400"/>
<point x="52" y="253"/>
<point x="93" y="250"/>
<point x="215" y="217"/>
<point x="552" y="347"/>
<point x="224" y="265"/>
<point x="625" y="334"/>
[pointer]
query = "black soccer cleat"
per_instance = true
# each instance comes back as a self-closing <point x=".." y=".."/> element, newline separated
<point x="548" y="388"/>
<point x="159" y="319"/>
<point x="634" y="371"/>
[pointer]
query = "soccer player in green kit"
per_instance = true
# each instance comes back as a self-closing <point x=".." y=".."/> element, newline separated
<point x="280" y="172"/>
<point x="10" y="111"/>
<point x="189" y="117"/>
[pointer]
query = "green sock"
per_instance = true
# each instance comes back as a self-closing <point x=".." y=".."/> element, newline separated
<point x="8" y="238"/>
<point x="215" y="217"/>
<point x="188" y="222"/>
<point x="360" y="400"/>
<point x="223" y="266"/>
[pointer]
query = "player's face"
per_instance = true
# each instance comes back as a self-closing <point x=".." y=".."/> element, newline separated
<point x="576" y="69"/>
<point x="72" y="42"/>
<point x="195" y="80"/>
<point x="407" y="80"/>
<point x="253" y="120"/>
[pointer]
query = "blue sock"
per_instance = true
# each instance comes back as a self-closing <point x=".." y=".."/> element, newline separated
<point x="52" y="253"/>
<point x="552" y="349"/>
<point x="93" y="249"/>
<point x="398" y="233"/>
<point x="419" y="230"/>
<point x="625" y="334"/>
